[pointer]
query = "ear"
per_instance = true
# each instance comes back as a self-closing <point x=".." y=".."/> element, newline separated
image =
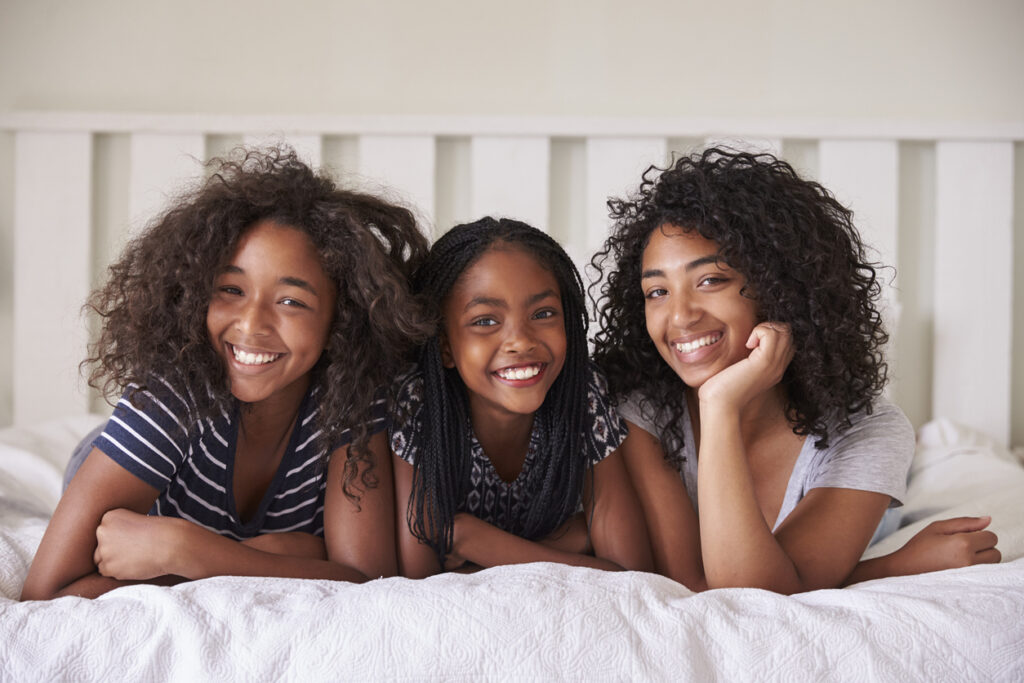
<point x="446" y="352"/>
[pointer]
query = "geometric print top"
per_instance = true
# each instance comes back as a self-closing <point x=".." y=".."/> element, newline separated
<point x="506" y="504"/>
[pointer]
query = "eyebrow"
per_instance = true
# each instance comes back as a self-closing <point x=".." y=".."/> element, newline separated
<point x="501" y="303"/>
<point x="286" y="280"/>
<point x="696" y="263"/>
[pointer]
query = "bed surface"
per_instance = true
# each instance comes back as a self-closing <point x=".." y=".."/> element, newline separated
<point x="529" y="621"/>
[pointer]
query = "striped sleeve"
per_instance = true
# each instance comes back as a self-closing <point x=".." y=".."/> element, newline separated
<point x="147" y="434"/>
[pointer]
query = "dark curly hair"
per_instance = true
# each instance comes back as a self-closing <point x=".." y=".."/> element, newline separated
<point x="153" y="306"/>
<point x="804" y="264"/>
<point x="442" y="467"/>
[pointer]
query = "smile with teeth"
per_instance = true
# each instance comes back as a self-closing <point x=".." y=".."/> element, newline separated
<point x="521" y="372"/>
<point x="688" y="347"/>
<point x="247" y="358"/>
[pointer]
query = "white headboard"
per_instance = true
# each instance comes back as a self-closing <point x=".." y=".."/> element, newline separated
<point x="937" y="201"/>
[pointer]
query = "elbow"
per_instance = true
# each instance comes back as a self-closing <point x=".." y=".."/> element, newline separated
<point x="28" y="594"/>
<point x="32" y="591"/>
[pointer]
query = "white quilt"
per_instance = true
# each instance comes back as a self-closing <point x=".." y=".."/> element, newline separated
<point x="531" y="621"/>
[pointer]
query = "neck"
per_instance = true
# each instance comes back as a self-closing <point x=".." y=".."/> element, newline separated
<point x="502" y="435"/>
<point x="270" y="420"/>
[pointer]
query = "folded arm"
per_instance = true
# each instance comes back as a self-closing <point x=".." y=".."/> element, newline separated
<point x="617" y="532"/>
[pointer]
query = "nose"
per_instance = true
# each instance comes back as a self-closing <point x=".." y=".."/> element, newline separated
<point x="686" y="310"/>
<point x="252" y="318"/>
<point x="519" y="338"/>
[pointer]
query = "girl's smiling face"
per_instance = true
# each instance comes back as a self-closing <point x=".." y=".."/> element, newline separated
<point x="270" y="313"/>
<point x="504" y="331"/>
<point x="696" y="315"/>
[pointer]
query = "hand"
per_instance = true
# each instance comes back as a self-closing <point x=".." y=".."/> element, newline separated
<point x="947" y="544"/>
<point x="131" y="546"/>
<point x="771" y="346"/>
<point x="453" y="559"/>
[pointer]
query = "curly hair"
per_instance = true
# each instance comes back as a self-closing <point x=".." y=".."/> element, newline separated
<point x="804" y="265"/>
<point x="442" y="468"/>
<point x="154" y="303"/>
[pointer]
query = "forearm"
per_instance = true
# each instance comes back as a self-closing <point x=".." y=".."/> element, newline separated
<point x="738" y="547"/>
<point x="571" y="537"/>
<point x="488" y="546"/>
<point x="875" y="568"/>
<point x="94" y="585"/>
<point x="204" y="554"/>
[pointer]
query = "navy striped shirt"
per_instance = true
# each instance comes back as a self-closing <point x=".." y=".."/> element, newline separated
<point x="191" y="462"/>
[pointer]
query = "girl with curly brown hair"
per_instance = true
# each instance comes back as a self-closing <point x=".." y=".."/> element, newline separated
<point x="249" y="330"/>
<point x="741" y="333"/>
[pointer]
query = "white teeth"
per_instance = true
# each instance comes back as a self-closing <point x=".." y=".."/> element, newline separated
<point x="246" y="358"/>
<point x="687" y="347"/>
<point x="520" y="373"/>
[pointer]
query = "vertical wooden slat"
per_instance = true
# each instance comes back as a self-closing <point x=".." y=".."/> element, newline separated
<point x="453" y="169"/>
<point x="864" y="177"/>
<point x="511" y="178"/>
<point x="567" y="196"/>
<point x="973" y="284"/>
<point x="403" y="164"/>
<point x="6" y="278"/>
<point x="614" y="169"/>
<point x="915" y="340"/>
<point x="51" y="272"/>
<point x="161" y="166"/>
<point x="308" y="147"/>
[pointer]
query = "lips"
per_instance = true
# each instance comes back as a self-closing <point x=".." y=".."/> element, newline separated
<point x="693" y="344"/>
<point x="521" y="373"/>
<point x="253" y="358"/>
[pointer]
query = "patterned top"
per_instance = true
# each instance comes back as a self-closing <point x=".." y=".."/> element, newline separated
<point x="194" y="468"/>
<point x="505" y="504"/>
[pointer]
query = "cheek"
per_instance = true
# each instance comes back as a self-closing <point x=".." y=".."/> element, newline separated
<point x="213" y="325"/>
<point x="651" y="322"/>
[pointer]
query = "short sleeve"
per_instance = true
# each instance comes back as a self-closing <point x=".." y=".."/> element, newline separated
<point x="607" y="428"/>
<point x="637" y="410"/>
<point x="377" y="422"/>
<point x="406" y="424"/>
<point x="147" y="434"/>
<point x="874" y="454"/>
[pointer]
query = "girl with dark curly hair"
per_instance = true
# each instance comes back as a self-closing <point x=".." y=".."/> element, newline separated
<point x="504" y="427"/>
<point x="249" y="330"/>
<point x="740" y="331"/>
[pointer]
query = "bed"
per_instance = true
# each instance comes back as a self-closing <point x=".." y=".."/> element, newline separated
<point x="530" y="621"/>
<point x="912" y="189"/>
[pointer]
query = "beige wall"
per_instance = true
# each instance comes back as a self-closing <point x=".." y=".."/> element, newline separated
<point x="936" y="60"/>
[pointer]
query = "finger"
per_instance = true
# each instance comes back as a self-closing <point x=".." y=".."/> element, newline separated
<point x="990" y="556"/>
<point x="754" y="339"/>
<point x="960" y="525"/>
<point x="982" y="540"/>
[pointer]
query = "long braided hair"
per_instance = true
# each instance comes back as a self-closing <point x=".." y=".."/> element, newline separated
<point x="442" y="468"/>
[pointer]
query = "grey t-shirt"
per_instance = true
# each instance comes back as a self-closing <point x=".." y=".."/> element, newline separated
<point x="874" y="454"/>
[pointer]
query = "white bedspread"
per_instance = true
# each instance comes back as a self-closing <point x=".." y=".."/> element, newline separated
<point x="530" y="621"/>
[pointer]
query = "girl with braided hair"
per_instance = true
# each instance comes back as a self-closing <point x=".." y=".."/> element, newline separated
<point x="248" y="331"/>
<point x="741" y="336"/>
<point x="503" y="428"/>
